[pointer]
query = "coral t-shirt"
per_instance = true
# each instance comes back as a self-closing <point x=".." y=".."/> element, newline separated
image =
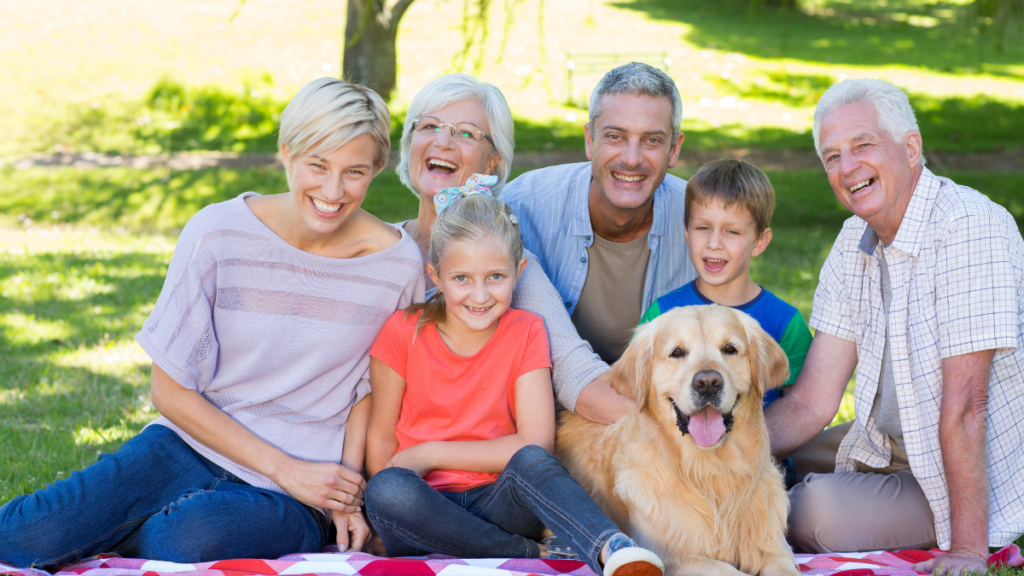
<point x="459" y="398"/>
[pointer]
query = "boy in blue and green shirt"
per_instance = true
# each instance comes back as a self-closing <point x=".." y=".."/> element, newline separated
<point x="728" y="208"/>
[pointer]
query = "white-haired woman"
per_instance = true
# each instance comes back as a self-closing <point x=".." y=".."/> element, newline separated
<point x="457" y="126"/>
<point x="259" y="343"/>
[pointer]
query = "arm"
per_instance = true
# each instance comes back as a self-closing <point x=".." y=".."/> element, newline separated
<point x="813" y="400"/>
<point x="579" y="376"/>
<point x="535" y="425"/>
<point x="962" y="417"/>
<point x="354" y="525"/>
<point x="388" y="390"/>
<point x="318" y="484"/>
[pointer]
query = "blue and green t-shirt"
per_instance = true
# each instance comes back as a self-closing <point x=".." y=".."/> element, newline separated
<point x="779" y="319"/>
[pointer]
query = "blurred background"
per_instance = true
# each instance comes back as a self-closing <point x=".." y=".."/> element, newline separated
<point x="120" y="119"/>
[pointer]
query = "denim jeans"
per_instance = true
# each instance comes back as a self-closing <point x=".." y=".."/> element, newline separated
<point x="155" y="498"/>
<point x="499" y="520"/>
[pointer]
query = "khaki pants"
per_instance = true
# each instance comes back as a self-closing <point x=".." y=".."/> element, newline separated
<point x="871" y="509"/>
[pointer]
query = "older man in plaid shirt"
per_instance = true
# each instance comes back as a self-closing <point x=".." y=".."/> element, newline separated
<point x="923" y="293"/>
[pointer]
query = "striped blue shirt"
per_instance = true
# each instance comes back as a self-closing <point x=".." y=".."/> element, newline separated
<point x="554" y="218"/>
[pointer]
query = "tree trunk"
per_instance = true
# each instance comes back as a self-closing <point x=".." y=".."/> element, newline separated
<point x="370" y="33"/>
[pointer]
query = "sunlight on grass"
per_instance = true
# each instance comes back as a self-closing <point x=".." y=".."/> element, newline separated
<point x="122" y="358"/>
<point x="24" y="329"/>
<point x="86" y="436"/>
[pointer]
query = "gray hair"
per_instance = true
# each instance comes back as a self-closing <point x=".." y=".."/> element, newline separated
<point x="451" y="88"/>
<point x="328" y="113"/>
<point x="636" y="79"/>
<point x="892" y="107"/>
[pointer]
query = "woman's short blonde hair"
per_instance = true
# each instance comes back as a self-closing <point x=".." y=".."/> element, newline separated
<point x="328" y="113"/>
<point x="451" y="88"/>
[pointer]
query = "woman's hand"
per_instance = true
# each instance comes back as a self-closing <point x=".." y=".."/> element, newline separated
<point x="417" y="458"/>
<point x="322" y="484"/>
<point x="353" y="531"/>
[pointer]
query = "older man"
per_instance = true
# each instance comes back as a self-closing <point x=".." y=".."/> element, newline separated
<point x="609" y="232"/>
<point x="923" y="293"/>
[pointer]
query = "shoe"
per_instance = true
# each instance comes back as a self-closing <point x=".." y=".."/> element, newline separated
<point x="559" y="550"/>
<point x="625" y="558"/>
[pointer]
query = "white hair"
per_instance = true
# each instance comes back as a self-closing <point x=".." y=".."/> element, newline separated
<point x="636" y="79"/>
<point x="892" y="107"/>
<point x="328" y="113"/>
<point x="451" y="88"/>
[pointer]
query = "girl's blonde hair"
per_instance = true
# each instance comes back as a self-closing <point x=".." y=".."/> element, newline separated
<point x="473" y="219"/>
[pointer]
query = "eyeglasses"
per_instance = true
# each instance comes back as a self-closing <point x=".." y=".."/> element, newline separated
<point x="462" y="132"/>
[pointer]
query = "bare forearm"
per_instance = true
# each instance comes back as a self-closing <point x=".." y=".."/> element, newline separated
<point x="489" y="456"/>
<point x="379" y="450"/>
<point x="355" y="435"/>
<point x="793" y="421"/>
<point x="597" y="402"/>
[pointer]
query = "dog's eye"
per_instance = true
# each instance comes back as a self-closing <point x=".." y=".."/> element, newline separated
<point x="730" y="349"/>
<point x="678" y="352"/>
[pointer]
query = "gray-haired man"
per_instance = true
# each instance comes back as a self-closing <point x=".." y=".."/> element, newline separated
<point x="609" y="232"/>
<point x="923" y="293"/>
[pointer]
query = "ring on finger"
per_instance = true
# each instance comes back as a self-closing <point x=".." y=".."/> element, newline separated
<point x="345" y="501"/>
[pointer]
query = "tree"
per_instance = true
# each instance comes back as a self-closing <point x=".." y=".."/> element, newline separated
<point x="370" y="57"/>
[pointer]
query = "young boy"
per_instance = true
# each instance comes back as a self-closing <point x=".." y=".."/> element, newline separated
<point x="728" y="208"/>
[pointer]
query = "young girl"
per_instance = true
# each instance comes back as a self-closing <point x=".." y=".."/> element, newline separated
<point x="462" y="416"/>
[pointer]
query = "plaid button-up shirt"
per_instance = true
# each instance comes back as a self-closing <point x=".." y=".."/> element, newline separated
<point x="957" y="272"/>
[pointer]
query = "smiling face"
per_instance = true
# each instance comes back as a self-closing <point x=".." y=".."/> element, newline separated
<point x="721" y="242"/>
<point x="328" y="188"/>
<point x="438" y="161"/>
<point x="871" y="175"/>
<point x="631" y="146"/>
<point x="477" y="281"/>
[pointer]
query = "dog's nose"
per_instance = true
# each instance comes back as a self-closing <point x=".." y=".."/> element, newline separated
<point x="707" y="383"/>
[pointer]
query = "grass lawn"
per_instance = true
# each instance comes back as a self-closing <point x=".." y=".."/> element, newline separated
<point x="83" y="255"/>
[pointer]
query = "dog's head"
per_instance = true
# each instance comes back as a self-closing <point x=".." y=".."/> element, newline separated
<point x="697" y="365"/>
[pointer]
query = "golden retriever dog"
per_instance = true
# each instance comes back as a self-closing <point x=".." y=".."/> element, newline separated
<point x="688" y="473"/>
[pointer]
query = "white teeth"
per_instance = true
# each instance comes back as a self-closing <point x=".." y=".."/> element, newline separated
<point x="325" y="207"/>
<point x="442" y="163"/>
<point x="860" y="185"/>
<point x="622" y="178"/>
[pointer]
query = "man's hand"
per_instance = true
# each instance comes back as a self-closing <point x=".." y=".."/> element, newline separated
<point x="955" y="563"/>
<point x="322" y="484"/>
<point x="351" y="524"/>
<point x="418" y="459"/>
<point x="597" y="402"/>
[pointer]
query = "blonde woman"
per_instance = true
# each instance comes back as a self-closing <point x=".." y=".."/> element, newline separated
<point x="259" y="341"/>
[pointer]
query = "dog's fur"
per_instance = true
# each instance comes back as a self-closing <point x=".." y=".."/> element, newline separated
<point x="704" y="511"/>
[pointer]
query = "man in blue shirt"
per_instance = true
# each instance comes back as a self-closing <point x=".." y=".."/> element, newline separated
<point x="609" y="233"/>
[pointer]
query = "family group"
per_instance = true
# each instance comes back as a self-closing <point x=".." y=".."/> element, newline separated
<point x="319" y="372"/>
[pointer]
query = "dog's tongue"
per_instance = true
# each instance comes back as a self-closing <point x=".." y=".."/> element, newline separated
<point x="706" y="427"/>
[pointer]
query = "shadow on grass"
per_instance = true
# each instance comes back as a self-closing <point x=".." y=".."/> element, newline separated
<point x="939" y="35"/>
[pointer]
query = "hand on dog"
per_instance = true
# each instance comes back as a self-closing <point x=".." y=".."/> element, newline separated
<point x="416" y="459"/>
<point x="954" y="564"/>
<point x="353" y="531"/>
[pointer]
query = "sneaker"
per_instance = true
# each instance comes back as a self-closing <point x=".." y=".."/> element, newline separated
<point x="625" y="558"/>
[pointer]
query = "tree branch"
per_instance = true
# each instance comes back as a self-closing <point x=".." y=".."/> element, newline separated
<point x="398" y="10"/>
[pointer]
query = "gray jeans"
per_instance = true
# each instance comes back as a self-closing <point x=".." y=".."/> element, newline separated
<point x="871" y="509"/>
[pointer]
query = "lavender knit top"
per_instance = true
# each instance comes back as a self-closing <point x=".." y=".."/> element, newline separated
<point x="276" y="337"/>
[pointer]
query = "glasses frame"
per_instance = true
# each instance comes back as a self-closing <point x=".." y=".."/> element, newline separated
<point x="451" y="130"/>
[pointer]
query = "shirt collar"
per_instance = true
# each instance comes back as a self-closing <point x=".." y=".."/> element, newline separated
<point x="908" y="237"/>
<point x="579" y="196"/>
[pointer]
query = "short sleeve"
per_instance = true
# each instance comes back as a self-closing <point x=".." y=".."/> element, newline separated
<point x="536" y="354"/>
<point x="976" y="292"/>
<point x="831" y="312"/>
<point x="179" y="334"/>
<point x="795" y="342"/>
<point x="392" y="344"/>
<point x="652" y="312"/>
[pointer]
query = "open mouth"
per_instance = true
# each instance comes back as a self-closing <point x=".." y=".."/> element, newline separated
<point x="438" y="166"/>
<point x="714" y="264"/>
<point x="629" y="178"/>
<point x="325" y="207"/>
<point x="706" y="427"/>
<point x="861" y="185"/>
<point x="478" y="309"/>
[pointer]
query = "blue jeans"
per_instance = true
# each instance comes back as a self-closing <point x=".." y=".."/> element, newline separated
<point x="499" y="520"/>
<point x="155" y="498"/>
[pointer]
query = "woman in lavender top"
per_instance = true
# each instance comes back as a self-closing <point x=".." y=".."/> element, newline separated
<point x="259" y="341"/>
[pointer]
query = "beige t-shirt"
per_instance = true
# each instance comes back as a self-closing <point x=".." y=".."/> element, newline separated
<point x="610" y="304"/>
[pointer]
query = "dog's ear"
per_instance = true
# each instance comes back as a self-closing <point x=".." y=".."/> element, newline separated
<point x="769" y="366"/>
<point x="631" y="374"/>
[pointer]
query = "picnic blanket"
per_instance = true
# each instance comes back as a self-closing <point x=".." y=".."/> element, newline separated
<point x="333" y="562"/>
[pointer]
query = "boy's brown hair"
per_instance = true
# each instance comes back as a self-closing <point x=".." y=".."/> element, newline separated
<point x="732" y="182"/>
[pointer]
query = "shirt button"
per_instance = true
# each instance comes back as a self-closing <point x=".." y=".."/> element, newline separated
<point x="587" y="238"/>
<point x="583" y="259"/>
<point x="567" y="304"/>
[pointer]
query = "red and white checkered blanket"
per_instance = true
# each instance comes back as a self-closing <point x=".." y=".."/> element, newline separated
<point x="332" y="563"/>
